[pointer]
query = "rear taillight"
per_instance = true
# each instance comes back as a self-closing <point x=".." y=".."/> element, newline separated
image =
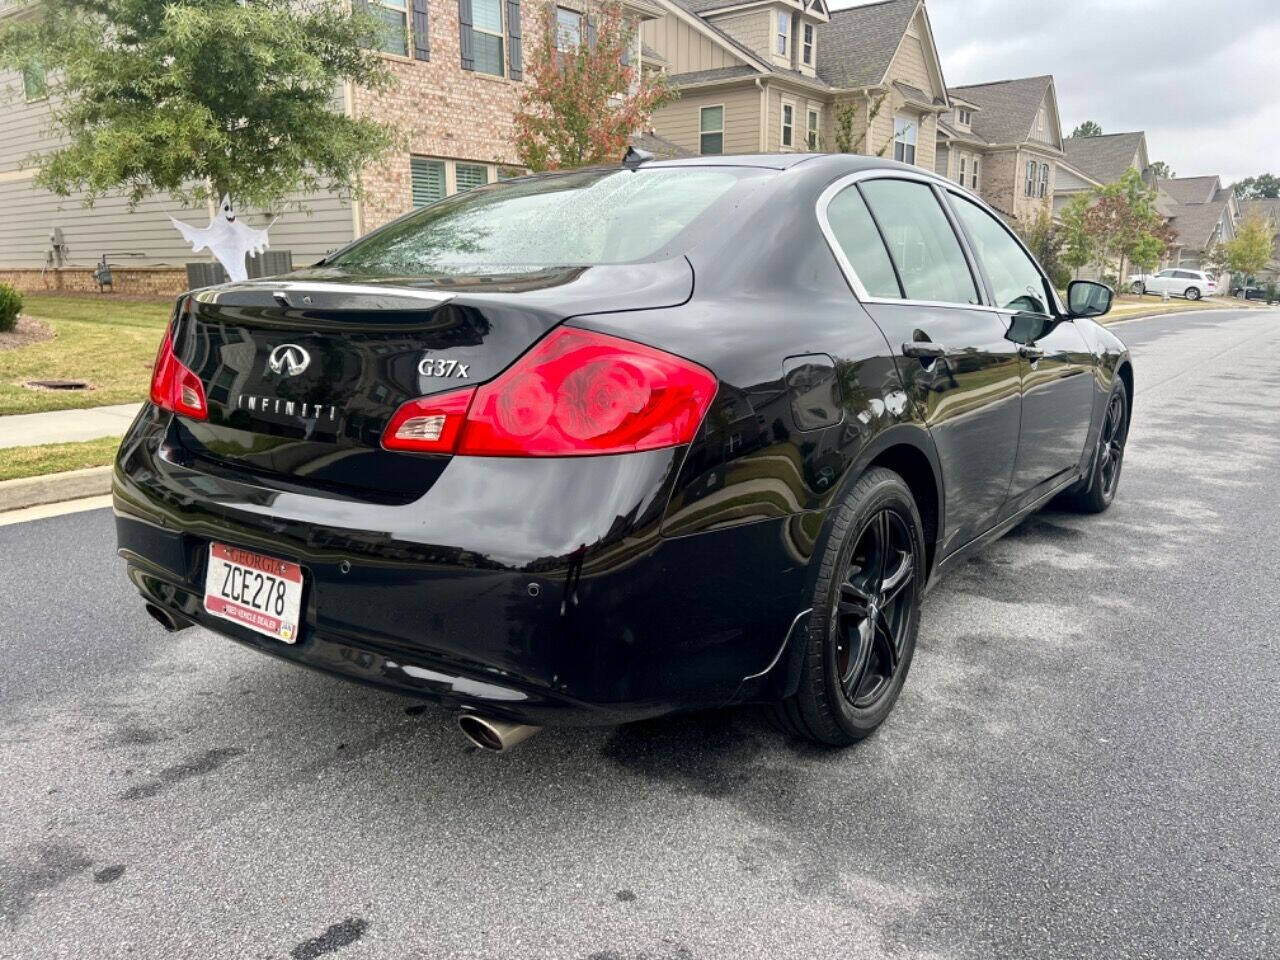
<point x="174" y="387"/>
<point x="576" y="393"/>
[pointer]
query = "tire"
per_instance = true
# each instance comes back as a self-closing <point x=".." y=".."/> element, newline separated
<point x="1139" y="288"/>
<point x="866" y="614"/>
<point x="1193" y="293"/>
<point x="1099" y="491"/>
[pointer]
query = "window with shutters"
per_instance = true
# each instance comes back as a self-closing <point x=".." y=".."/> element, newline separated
<point x="1044" y="180"/>
<point x="974" y="183"/>
<point x="394" y="17"/>
<point x="468" y="176"/>
<point x="1031" y="178"/>
<point x="428" y="180"/>
<point x="711" y="131"/>
<point x="487" y="36"/>
<point x="568" y="29"/>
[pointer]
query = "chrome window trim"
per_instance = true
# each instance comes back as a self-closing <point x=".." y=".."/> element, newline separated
<point x="851" y="276"/>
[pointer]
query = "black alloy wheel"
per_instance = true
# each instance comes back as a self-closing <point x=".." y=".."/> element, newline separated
<point x="1097" y="491"/>
<point x="873" y="609"/>
<point x="865" y="615"/>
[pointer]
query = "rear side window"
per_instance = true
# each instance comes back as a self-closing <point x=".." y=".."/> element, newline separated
<point x="561" y="220"/>
<point x="925" y="249"/>
<point x="1015" y="279"/>
<point x="856" y="234"/>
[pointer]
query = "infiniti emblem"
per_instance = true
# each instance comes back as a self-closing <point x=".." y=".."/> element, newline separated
<point x="289" y="359"/>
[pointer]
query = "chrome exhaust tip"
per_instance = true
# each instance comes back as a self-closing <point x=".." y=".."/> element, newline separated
<point x="171" y="622"/>
<point x="498" y="736"/>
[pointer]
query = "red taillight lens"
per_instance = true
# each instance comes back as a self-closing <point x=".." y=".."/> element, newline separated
<point x="174" y="387"/>
<point x="576" y="393"/>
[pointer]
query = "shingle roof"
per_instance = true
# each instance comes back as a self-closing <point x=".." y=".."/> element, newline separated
<point x="859" y="43"/>
<point x="1191" y="189"/>
<point x="1266" y="208"/>
<point x="660" y="147"/>
<point x="1104" y="158"/>
<point x="1195" y="222"/>
<point x="915" y="95"/>
<point x="954" y="133"/>
<point x="701" y="6"/>
<point x="1009" y="107"/>
<point x="719" y="73"/>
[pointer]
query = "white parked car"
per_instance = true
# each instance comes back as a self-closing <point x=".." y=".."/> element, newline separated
<point x="1177" y="282"/>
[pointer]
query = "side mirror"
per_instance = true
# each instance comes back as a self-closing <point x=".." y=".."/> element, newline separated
<point x="1088" y="299"/>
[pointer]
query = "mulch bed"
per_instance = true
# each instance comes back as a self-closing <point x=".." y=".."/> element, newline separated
<point x="28" y="331"/>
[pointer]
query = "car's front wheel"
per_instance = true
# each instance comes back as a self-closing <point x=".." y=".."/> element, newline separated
<point x="1099" y="489"/>
<point x="866" y="613"/>
<point x="1193" y="293"/>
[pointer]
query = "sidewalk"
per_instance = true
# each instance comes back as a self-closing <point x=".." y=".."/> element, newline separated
<point x="66" y="426"/>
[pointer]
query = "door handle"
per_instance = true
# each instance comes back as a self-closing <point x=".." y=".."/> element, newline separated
<point x="924" y="350"/>
<point x="1029" y="352"/>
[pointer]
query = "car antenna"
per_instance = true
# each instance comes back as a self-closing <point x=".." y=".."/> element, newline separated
<point x="634" y="157"/>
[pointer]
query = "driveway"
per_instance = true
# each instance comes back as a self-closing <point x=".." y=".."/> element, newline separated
<point x="1085" y="761"/>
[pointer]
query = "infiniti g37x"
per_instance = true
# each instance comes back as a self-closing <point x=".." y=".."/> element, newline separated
<point x="594" y="446"/>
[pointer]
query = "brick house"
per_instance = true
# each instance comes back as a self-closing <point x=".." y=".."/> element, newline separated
<point x="775" y="76"/>
<point x="459" y="71"/>
<point x="1004" y="140"/>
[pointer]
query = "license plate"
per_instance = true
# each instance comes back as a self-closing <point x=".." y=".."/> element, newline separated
<point x="254" y="590"/>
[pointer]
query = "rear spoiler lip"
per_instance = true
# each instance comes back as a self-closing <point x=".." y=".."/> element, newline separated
<point x="294" y="293"/>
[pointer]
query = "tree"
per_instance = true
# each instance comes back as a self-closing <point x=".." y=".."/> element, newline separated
<point x="1147" y="251"/>
<point x="1077" y="241"/>
<point x="201" y="97"/>
<point x="1087" y="129"/>
<point x="1160" y="170"/>
<point x="581" y="104"/>
<point x="1044" y="239"/>
<point x="1216" y="261"/>
<point x="1124" y="220"/>
<point x="1262" y="187"/>
<point x="1252" y="248"/>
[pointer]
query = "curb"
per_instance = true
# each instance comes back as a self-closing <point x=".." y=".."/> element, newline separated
<point x="53" y="487"/>
<point x="1176" y="313"/>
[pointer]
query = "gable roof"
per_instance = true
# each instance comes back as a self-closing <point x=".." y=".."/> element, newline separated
<point x="1104" y="158"/>
<point x="1191" y="190"/>
<point x="754" y="64"/>
<point x="859" y="43"/>
<point x="1009" y="107"/>
<point x="1267" y="208"/>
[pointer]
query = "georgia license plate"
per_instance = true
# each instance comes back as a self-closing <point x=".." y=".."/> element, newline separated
<point x="254" y="590"/>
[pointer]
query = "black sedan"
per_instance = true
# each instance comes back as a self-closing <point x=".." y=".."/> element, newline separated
<point x="594" y="446"/>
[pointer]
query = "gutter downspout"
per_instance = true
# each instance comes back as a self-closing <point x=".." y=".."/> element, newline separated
<point x="764" y="114"/>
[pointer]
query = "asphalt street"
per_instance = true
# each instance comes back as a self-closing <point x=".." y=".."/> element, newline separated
<point x="1085" y="762"/>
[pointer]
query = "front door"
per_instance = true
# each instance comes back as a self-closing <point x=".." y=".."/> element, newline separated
<point x="951" y="350"/>
<point x="1056" y="363"/>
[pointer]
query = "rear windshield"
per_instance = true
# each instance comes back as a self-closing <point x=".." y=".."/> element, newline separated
<point x="559" y="220"/>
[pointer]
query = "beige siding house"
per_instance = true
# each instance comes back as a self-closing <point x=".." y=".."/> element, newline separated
<point x="778" y="75"/>
<point x="1004" y="140"/>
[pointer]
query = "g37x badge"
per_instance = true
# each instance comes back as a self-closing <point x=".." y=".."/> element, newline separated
<point x="436" y="367"/>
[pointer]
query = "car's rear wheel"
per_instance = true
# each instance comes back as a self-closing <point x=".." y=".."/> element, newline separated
<point x="1100" y="489"/>
<point x="1193" y="293"/>
<point x="1139" y="288"/>
<point x="866" y="613"/>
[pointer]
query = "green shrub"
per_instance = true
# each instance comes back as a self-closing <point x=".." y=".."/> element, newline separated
<point x="10" y="307"/>
<point x="1271" y="293"/>
<point x="1061" y="276"/>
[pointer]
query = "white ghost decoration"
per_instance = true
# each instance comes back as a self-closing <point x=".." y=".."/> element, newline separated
<point x="226" y="238"/>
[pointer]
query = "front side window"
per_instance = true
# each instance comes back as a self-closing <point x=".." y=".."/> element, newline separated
<point x="555" y="221"/>
<point x="711" y="131"/>
<point x="394" y="19"/>
<point x="806" y="49"/>
<point x="859" y="240"/>
<point x="812" y="136"/>
<point x="1031" y="178"/>
<point x="784" y="33"/>
<point x="568" y="29"/>
<point x="1015" y="279"/>
<point x="486" y="36"/>
<point x="788" y="123"/>
<point x="905" y="133"/>
<point x="35" y="84"/>
<point x="1044" y="180"/>
<point x="923" y="246"/>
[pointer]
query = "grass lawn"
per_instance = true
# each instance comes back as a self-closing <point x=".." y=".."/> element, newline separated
<point x="18" y="462"/>
<point x="111" y="344"/>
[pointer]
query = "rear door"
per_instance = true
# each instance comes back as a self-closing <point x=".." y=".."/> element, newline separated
<point x="913" y="276"/>
<point x="1056" y="362"/>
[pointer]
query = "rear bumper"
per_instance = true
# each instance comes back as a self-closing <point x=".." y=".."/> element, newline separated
<point x="537" y="590"/>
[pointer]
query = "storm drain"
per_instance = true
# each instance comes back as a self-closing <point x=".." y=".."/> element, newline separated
<point x="57" y="385"/>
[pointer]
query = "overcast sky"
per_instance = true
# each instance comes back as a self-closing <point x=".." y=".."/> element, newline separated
<point x="1201" y="78"/>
